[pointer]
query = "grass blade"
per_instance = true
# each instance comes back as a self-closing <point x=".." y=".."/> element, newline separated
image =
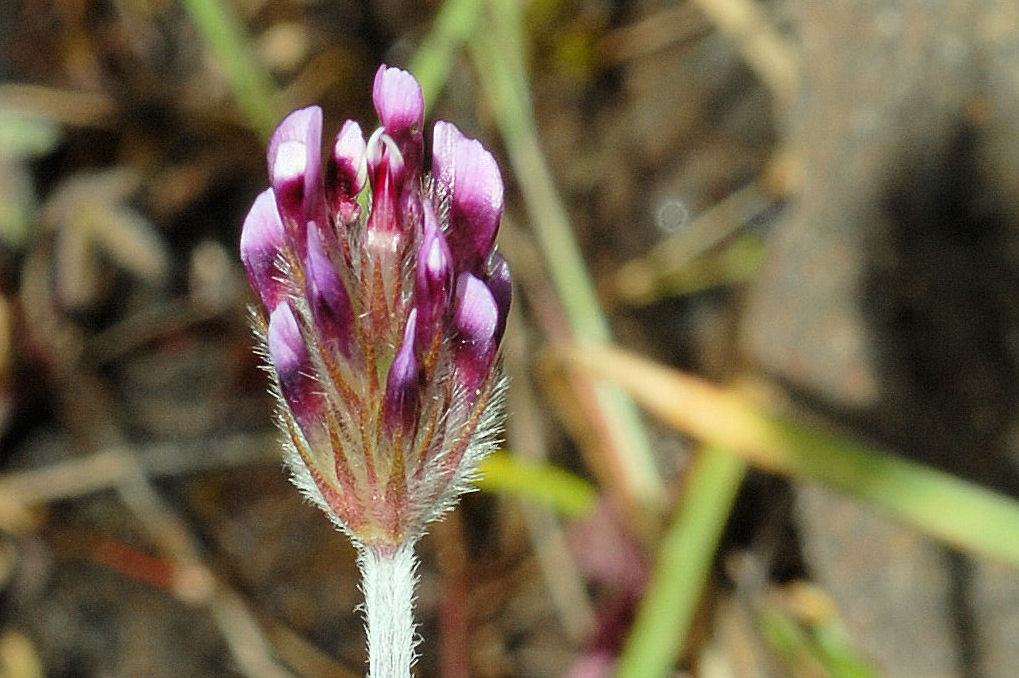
<point x="684" y="561"/>
<point x="452" y="28"/>
<point x="252" y="85"/>
<point x="499" y="57"/>
<point x="958" y="513"/>
<point x="568" y="494"/>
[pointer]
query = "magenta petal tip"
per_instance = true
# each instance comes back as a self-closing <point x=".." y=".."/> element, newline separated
<point x="295" y="168"/>
<point x="292" y="362"/>
<point x="346" y="172"/>
<point x="476" y="319"/>
<point x="327" y="297"/>
<point x="261" y="244"/>
<point x="400" y="407"/>
<point x="303" y="125"/>
<point x="286" y="345"/>
<point x="500" y="282"/>
<point x="433" y="280"/>
<point x="435" y="261"/>
<point x="475" y="313"/>
<point x="469" y="176"/>
<point x="398" y="100"/>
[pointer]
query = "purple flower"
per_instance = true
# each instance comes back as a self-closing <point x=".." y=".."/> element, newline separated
<point x="383" y="304"/>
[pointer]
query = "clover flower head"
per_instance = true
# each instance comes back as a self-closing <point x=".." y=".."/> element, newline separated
<point x="383" y="301"/>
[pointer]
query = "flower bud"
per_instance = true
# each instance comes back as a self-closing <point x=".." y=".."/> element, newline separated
<point x="384" y="321"/>
<point x="292" y="363"/>
<point x="261" y="248"/>
<point x="346" y="173"/>
<point x="295" y="172"/>
<point x="327" y="297"/>
<point x="500" y="282"/>
<point x="468" y="176"/>
<point x="386" y="169"/>
<point x="476" y="318"/>
<point x="402" y="392"/>
<point x="401" y="107"/>
<point x="433" y="282"/>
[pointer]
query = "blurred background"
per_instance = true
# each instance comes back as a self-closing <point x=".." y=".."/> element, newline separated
<point x="764" y="348"/>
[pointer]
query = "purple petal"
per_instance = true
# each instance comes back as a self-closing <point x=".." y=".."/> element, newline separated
<point x="292" y="362"/>
<point x="475" y="313"/>
<point x="433" y="280"/>
<point x="400" y="405"/>
<point x="287" y="351"/>
<point x="475" y="318"/>
<point x="398" y="100"/>
<point x="401" y="108"/>
<point x="382" y="154"/>
<point x="500" y="282"/>
<point x="468" y="174"/>
<point x="346" y="172"/>
<point x="261" y="245"/>
<point x="435" y="262"/>
<point x="303" y="125"/>
<point x="386" y="167"/>
<point x="445" y="139"/>
<point x="295" y="170"/>
<point x="327" y="297"/>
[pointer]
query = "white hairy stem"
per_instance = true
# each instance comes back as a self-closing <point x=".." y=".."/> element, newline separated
<point x="388" y="577"/>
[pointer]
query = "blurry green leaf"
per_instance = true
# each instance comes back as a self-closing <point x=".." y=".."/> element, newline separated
<point x="576" y="52"/>
<point x="642" y="281"/>
<point x="785" y="638"/>
<point x="567" y="493"/>
<point x="838" y="654"/>
<point x="24" y="136"/>
<point x="811" y="645"/>
<point x="226" y="38"/>
<point x="498" y="54"/>
<point x="17" y="204"/>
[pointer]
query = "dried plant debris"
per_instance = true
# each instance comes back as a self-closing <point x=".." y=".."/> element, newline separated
<point x="92" y="221"/>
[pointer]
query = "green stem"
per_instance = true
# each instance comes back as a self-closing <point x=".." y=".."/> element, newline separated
<point x="684" y="560"/>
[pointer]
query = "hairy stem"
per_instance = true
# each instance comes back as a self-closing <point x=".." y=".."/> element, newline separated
<point x="388" y="577"/>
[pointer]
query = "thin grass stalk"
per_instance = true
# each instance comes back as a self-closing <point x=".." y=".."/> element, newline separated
<point x="684" y="560"/>
<point x="499" y="57"/>
<point x="452" y="27"/>
<point x="253" y="87"/>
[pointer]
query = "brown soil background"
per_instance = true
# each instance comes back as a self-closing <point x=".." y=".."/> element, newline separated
<point x="876" y="153"/>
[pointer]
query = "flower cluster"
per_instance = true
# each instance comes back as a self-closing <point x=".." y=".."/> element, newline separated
<point x="383" y="301"/>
